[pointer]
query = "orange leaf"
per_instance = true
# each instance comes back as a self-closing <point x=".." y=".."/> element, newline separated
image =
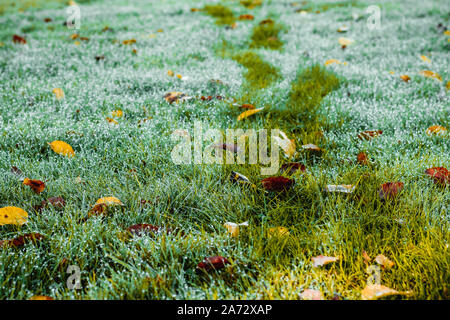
<point x="405" y="77"/>
<point x="369" y="134"/>
<point x="436" y="130"/>
<point x="390" y="190"/>
<point x="36" y="185"/>
<point x="246" y="17"/>
<point x="41" y="298"/>
<point x="440" y="175"/>
<point x="431" y="74"/>
<point x="21" y="240"/>
<point x="248" y="113"/>
<point x="18" y="39"/>
<point x="383" y="261"/>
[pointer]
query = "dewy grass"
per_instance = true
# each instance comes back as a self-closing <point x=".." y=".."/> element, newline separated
<point x="266" y="35"/>
<point x="223" y="15"/>
<point x="260" y="74"/>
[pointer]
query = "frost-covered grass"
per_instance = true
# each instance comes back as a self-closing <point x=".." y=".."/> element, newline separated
<point x="132" y="160"/>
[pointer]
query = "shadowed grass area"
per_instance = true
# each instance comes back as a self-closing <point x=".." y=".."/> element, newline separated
<point x="266" y="35"/>
<point x="223" y="15"/>
<point x="260" y="74"/>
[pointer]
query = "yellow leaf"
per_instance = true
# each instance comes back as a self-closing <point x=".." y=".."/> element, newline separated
<point x="385" y="262"/>
<point x="436" y="130"/>
<point x="179" y="76"/>
<point x="63" y="148"/>
<point x="447" y="86"/>
<point x="323" y="260"/>
<point x="127" y="42"/>
<point x="278" y="232"/>
<point x="331" y="61"/>
<point x="13" y="215"/>
<point x="447" y="32"/>
<point x="233" y="228"/>
<point x="170" y="73"/>
<point x="405" y="77"/>
<point x="41" y="298"/>
<point x="248" y="113"/>
<point x="431" y="74"/>
<point x="345" y="41"/>
<point x="109" y="201"/>
<point x="74" y="36"/>
<point x="425" y="58"/>
<point x="117" y="113"/>
<point x="375" y="291"/>
<point x="111" y="120"/>
<point x="288" y="145"/>
<point x="59" y="93"/>
<point x="77" y="43"/>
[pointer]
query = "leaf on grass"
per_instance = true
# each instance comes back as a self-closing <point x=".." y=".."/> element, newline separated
<point x="98" y="210"/>
<point x="334" y="61"/>
<point x="345" y="41"/>
<point x="376" y="291"/>
<point x="59" y="93"/>
<point x="369" y="134"/>
<point x="174" y="96"/>
<point x="277" y="232"/>
<point x="384" y="262"/>
<point x="361" y="158"/>
<point x="343" y="29"/>
<point x="109" y="201"/>
<point x="311" y="146"/>
<point x="62" y="148"/>
<point x="213" y="263"/>
<point x="430" y="74"/>
<point x="405" y="77"/>
<point x="16" y="171"/>
<point x="41" y="298"/>
<point x="248" y="113"/>
<point x="288" y="145"/>
<point x="440" y="175"/>
<point x="233" y="228"/>
<point x="345" y="188"/>
<point x="170" y="73"/>
<point x="13" y="215"/>
<point x="436" y="130"/>
<point x="111" y="120"/>
<point x="236" y="177"/>
<point x="18" y="39"/>
<point x="366" y="257"/>
<point x="247" y="106"/>
<point x="36" y="185"/>
<point x="22" y="240"/>
<point x="312" y="294"/>
<point x="117" y="114"/>
<point x="425" y="58"/>
<point x="128" y="42"/>
<point x="277" y="183"/>
<point x="292" y="167"/>
<point x="390" y="190"/>
<point x="323" y="260"/>
<point x="246" y="17"/>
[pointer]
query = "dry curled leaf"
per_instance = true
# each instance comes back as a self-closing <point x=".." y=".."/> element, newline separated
<point x="405" y="77"/>
<point x="213" y="263"/>
<point x="369" y="134"/>
<point x="13" y="215"/>
<point x="98" y="210"/>
<point x="376" y="291"/>
<point x="36" y="185"/>
<point x="384" y="262"/>
<point x="62" y="148"/>
<point x="277" y="183"/>
<point x="292" y="167"/>
<point x="18" y="39"/>
<point x="248" y="113"/>
<point x="288" y="145"/>
<point x="390" y="190"/>
<point x="440" y="175"/>
<point x="233" y="228"/>
<point x="323" y="260"/>
<point x="430" y="74"/>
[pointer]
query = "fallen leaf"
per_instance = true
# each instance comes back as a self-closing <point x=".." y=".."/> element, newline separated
<point x="117" y="114"/>
<point x="56" y="202"/>
<point x="236" y="177"/>
<point x="19" y="39"/>
<point x="323" y="260"/>
<point x="277" y="183"/>
<point x="62" y="148"/>
<point x="383" y="261"/>
<point x="405" y="77"/>
<point x="425" y="58"/>
<point x="436" y="130"/>
<point x="288" y="145"/>
<point x="345" y="41"/>
<point x="361" y="158"/>
<point x="440" y="175"/>
<point x="233" y="228"/>
<point x="98" y="210"/>
<point x="36" y="185"/>
<point x="22" y="240"/>
<point x="334" y="61"/>
<point x="292" y="167"/>
<point x="248" y="113"/>
<point x="345" y="188"/>
<point x="111" y="120"/>
<point x="128" y="42"/>
<point x="15" y="171"/>
<point x="431" y="74"/>
<point x="174" y="96"/>
<point x="369" y="134"/>
<point x="213" y="263"/>
<point x="13" y="215"/>
<point x="47" y="20"/>
<point x="246" y="17"/>
<point x="170" y="73"/>
<point x="366" y="257"/>
<point x="59" y="93"/>
<point x="390" y="190"/>
<point x="343" y="29"/>
<point x="41" y="298"/>
<point x="98" y="58"/>
<point x="247" y="106"/>
<point x="109" y="201"/>
<point x="311" y="146"/>
<point x="311" y="294"/>
<point x="376" y="291"/>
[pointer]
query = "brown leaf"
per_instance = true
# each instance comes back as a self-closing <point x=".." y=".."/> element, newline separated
<point x="440" y="175"/>
<point x="323" y="260"/>
<point x="246" y="17"/>
<point x="390" y="190"/>
<point x="213" y="263"/>
<point x="248" y="106"/>
<point x="98" y="58"/>
<point x="366" y="257"/>
<point x="16" y="171"/>
<point x="361" y="158"/>
<point x="18" y="39"/>
<point x="369" y="134"/>
<point x="36" y="185"/>
<point x="277" y="183"/>
<point x="292" y="167"/>
<point x="174" y="96"/>
<point x="46" y="20"/>
<point x="21" y="240"/>
<point x="57" y="202"/>
<point x="98" y="210"/>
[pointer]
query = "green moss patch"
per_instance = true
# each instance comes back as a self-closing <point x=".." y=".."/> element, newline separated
<point x="266" y="35"/>
<point x="223" y="15"/>
<point x="260" y="74"/>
